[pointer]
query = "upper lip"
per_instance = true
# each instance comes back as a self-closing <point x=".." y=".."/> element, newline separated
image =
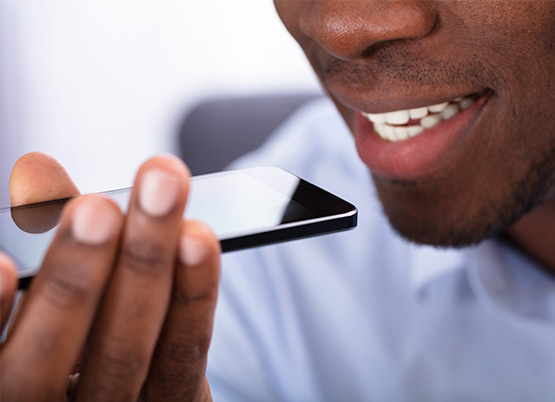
<point x="372" y="103"/>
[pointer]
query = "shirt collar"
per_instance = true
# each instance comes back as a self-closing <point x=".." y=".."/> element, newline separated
<point x="501" y="278"/>
<point x="430" y="263"/>
<point x="508" y="281"/>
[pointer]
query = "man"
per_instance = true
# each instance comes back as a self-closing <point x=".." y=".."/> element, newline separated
<point x="451" y="108"/>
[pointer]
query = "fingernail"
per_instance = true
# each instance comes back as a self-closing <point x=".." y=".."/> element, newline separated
<point x="94" y="222"/>
<point x="192" y="250"/>
<point x="158" y="192"/>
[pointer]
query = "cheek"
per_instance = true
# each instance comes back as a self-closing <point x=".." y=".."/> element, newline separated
<point x="514" y="39"/>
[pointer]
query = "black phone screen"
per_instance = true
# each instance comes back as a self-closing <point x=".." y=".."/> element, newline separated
<point x="245" y="208"/>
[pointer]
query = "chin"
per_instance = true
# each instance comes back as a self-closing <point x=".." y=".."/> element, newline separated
<point x="439" y="232"/>
<point x="458" y="222"/>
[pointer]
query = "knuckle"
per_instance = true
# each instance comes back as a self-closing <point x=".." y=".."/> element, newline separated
<point x="145" y="258"/>
<point x="69" y="287"/>
<point x="184" y="297"/>
<point x="186" y="354"/>
<point x="121" y="361"/>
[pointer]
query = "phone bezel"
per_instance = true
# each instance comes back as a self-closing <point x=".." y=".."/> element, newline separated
<point x="333" y="214"/>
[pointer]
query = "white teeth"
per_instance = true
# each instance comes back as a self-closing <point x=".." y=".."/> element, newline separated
<point x="396" y="133"/>
<point x="392" y="126"/>
<point x="414" y="130"/>
<point x="418" y="113"/>
<point x="390" y="132"/>
<point x="375" y="118"/>
<point x="402" y="133"/>
<point x="438" y="108"/>
<point x="381" y="130"/>
<point x="430" y="121"/>
<point x="466" y="103"/>
<point x="397" y="118"/>
<point x="449" y="111"/>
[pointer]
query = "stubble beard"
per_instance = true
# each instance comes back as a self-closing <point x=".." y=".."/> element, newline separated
<point x="490" y="220"/>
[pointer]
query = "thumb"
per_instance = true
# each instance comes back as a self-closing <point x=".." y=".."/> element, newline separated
<point x="37" y="177"/>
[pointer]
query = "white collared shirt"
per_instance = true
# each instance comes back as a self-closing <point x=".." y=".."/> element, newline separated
<point x="366" y="316"/>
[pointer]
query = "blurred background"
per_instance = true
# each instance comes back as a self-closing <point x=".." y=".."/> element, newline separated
<point x="102" y="85"/>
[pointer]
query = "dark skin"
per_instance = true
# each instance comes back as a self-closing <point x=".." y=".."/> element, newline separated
<point x="373" y="56"/>
<point x="129" y="313"/>
<point x="379" y="56"/>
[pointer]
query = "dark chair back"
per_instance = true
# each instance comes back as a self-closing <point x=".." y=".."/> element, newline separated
<point x="218" y="131"/>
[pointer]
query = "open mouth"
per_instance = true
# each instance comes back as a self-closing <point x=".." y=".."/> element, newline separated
<point x="400" y="125"/>
<point x="414" y="143"/>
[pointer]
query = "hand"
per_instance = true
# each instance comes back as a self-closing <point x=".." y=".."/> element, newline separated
<point x="134" y="296"/>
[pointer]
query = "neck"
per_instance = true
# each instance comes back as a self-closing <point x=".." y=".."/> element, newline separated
<point x="534" y="233"/>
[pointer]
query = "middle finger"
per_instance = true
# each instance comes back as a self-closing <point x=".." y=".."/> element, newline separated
<point x="132" y="313"/>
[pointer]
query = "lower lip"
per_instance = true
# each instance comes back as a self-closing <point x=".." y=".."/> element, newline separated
<point x="418" y="156"/>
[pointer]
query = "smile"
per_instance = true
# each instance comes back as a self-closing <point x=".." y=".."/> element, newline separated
<point x="400" y="125"/>
<point x="414" y="143"/>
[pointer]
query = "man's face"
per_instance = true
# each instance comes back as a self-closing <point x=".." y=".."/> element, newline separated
<point x="456" y="176"/>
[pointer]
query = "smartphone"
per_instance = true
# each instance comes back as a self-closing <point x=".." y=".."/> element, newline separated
<point x="245" y="208"/>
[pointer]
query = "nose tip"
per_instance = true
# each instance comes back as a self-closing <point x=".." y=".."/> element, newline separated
<point x="348" y="29"/>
